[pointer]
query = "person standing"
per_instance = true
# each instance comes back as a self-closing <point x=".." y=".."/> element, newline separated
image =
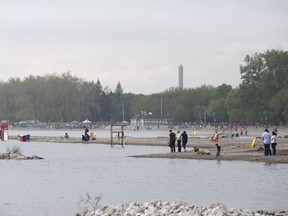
<point x="266" y="142"/>
<point x="179" y="137"/>
<point x="218" y="150"/>
<point x="273" y="142"/>
<point x="172" y="139"/>
<point x="184" y="140"/>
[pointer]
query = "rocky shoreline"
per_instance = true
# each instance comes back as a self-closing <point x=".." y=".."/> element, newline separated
<point x="159" y="208"/>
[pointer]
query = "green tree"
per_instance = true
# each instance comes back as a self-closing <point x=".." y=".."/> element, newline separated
<point x="277" y="105"/>
<point x="217" y="111"/>
<point x="181" y="114"/>
<point x="222" y="91"/>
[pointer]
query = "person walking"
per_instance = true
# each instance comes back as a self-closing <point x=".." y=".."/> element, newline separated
<point x="184" y="140"/>
<point x="273" y="142"/>
<point x="172" y="139"/>
<point x="179" y="137"/>
<point x="266" y="142"/>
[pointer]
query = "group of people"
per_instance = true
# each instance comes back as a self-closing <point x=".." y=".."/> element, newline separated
<point x="86" y="136"/>
<point x="268" y="141"/>
<point x="180" y="138"/>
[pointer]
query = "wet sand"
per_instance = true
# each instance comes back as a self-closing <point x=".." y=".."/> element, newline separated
<point x="231" y="149"/>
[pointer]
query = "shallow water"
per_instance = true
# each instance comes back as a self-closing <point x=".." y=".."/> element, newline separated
<point x="53" y="186"/>
<point x="142" y="133"/>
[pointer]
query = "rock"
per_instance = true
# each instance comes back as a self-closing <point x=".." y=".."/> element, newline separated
<point x="14" y="156"/>
<point x="159" y="208"/>
<point x="109" y="210"/>
<point x="36" y="157"/>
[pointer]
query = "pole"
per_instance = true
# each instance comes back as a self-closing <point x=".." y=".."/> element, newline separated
<point x="161" y="105"/>
<point x="204" y="116"/>
<point x="123" y="112"/>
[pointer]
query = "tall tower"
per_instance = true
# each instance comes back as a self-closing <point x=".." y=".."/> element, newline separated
<point x="180" y="77"/>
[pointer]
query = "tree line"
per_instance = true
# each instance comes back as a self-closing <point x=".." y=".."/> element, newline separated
<point x="262" y="98"/>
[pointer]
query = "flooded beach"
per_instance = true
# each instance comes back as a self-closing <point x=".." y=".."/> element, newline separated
<point x="53" y="186"/>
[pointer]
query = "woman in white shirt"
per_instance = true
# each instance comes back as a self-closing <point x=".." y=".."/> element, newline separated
<point x="273" y="143"/>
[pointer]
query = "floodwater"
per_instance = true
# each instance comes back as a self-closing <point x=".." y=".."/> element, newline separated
<point x="53" y="186"/>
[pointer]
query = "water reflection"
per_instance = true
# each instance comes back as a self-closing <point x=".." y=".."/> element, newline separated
<point x="218" y="162"/>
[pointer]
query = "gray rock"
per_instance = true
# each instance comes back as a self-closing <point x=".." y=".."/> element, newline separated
<point x="109" y="210"/>
<point x="159" y="208"/>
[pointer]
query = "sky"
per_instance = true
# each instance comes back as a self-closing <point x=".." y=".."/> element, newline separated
<point x="139" y="43"/>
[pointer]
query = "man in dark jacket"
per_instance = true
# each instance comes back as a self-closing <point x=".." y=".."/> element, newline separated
<point x="172" y="139"/>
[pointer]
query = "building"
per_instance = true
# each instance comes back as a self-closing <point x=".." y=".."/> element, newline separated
<point x="149" y="119"/>
<point x="180" y="77"/>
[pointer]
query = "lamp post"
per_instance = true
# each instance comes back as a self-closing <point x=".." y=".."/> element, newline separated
<point x="199" y="114"/>
<point x="265" y="116"/>
<point x="111" y="116"/>
<point x="123" y="112"/>
<point x="161" y="105"/>
<point x="204" y="116"/>
<point x="229" y="115"/>
<point x="247" y="121"/>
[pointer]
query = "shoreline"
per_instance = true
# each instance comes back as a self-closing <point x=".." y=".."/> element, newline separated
<point x="232" y="149"/>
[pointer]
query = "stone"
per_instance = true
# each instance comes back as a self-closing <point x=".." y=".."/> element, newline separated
<point x="109" y="210"/>
<point x="159" y="208"/>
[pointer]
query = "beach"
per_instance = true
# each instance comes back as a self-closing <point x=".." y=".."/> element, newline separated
<point x="236" y="148"/>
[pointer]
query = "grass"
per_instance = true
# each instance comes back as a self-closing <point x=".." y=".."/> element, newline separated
<point x="88" y="203"/>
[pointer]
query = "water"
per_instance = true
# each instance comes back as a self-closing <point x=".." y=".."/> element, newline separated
<point x="142" y="133"/>
<point x="53" y="186"/>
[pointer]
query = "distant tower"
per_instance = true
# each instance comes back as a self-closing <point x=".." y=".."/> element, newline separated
<point x="180" y="77"/>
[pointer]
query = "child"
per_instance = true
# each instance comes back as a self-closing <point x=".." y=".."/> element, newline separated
<point x="218" y="150"/>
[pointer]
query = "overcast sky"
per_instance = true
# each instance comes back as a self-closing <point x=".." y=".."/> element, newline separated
<point x="140" y="43"/>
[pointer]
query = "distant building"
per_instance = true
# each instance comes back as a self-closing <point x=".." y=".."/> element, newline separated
<point x="180" y="77"/>
<point x="149" y="119"/>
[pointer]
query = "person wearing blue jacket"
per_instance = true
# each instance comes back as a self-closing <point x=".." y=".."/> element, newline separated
<point x="184" y="140"/>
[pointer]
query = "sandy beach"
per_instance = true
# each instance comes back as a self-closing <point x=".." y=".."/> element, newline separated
<point x="231" y="148"/>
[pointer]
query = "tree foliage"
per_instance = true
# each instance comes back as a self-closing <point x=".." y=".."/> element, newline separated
<point x="264" y="76"/>
<point x="260" y="98"/>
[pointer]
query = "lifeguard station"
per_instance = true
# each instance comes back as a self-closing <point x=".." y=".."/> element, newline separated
<point x="117" y="134"/>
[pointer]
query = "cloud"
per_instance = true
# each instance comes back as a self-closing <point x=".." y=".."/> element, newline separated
<point x="140" y="44"/>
